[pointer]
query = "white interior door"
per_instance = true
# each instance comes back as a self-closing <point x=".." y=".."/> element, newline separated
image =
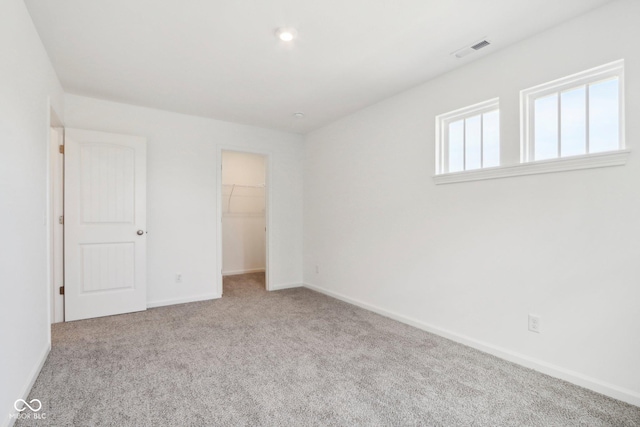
<point x="105" y="224"/>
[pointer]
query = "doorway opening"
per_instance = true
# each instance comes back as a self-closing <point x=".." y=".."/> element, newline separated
<point x="244" y="215"/>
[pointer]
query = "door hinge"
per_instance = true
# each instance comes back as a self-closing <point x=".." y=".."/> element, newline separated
<point x="61" y="290"/>
<point x="61" y="220"/>
<point x="61" y="149"/>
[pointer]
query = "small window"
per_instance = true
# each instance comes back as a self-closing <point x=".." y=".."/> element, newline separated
<point x="577" y="115"/>
<point x="468" y="138"/>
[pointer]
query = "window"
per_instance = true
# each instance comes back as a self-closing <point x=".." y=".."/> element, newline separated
<point x="577" y="115"/>
<point x="468" y="138"/>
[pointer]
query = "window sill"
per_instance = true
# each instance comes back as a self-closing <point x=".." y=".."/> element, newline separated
<point x="598" y="160"/>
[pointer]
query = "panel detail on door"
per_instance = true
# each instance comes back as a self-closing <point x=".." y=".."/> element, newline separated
<point x="107" y="181"/>
<point x="107" y="267"/>
<point x="105" y="224"/>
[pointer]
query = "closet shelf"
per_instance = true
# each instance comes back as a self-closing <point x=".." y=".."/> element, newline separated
<point x="233" y="188"/>
<point x="243" y="214"/>
<point x="243" y="185"/>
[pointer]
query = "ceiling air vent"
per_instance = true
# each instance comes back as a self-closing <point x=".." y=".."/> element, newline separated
<point x="470" y="49"/>
<point x="480" y="45"/>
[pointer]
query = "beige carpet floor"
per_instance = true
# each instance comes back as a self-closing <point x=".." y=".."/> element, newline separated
<point x="292" y="358"/>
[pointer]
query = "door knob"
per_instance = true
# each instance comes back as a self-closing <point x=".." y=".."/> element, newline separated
<point x="140" y="232"/>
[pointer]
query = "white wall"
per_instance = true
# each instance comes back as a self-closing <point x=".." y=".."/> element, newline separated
<point x="243" y="212"/>
<point x="27" y="82"/>
<point x="182" y="192"/>
<point x="471" y="260"/>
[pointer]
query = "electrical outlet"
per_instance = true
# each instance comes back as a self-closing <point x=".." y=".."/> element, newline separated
<point x="534" y="323"/>
<point x="317" y="269"/>
<point x="178" y="277"/>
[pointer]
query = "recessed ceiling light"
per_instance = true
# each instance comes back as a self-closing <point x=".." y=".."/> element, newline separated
<point x="286" y="34"/>
<point x="298" y="115"/>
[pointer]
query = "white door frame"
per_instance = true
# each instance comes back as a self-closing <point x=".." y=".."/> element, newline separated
<point x="54" y="251"/>
<point x="56" y="231"/>
<point x="267" y="208"/>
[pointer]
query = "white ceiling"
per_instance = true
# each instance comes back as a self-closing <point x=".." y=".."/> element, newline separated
<point x="220" y="58"/>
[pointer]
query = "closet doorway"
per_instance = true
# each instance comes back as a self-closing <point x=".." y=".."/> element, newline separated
<point x="244" y="215"/>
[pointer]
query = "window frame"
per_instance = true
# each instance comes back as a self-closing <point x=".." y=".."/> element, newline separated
<point x="442" y="133"/>
<point x="574" y="81"/>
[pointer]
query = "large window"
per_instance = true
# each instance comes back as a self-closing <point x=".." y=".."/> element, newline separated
<point x="577" y="115"/>
<point x="468" y="138"/>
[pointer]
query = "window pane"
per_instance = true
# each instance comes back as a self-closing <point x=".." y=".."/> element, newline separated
<point x="573" y="136"/>
<point x="604" y="116"/>
<point x="491" y="139"/>
<point x="456" y="146"/>
<point x="473" y="143"/>
<point x="546" y="127"/>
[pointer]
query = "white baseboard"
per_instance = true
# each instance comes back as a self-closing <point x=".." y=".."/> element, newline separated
<point x="249" y="270"/>
<point x="611" y="390"/>
<point x="281" y="286"/>
<point x="162" y="303"/>
<point x="33" y="375"/>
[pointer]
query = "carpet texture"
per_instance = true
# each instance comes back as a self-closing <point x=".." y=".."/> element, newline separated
<point x="292" y="358"/>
